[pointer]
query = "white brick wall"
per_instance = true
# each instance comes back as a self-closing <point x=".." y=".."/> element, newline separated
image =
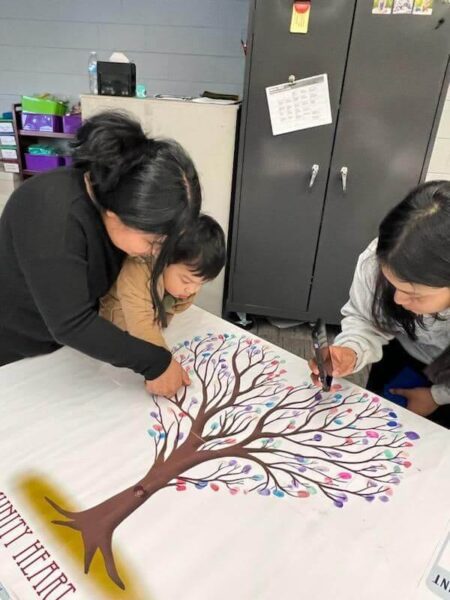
<point x="439" y="167"/>
<point x="179" y="46"/>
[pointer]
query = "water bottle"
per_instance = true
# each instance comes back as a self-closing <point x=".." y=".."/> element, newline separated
<point x="92" y="71"/>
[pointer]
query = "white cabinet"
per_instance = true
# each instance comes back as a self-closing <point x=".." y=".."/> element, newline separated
<point x="8" y="183"/>
<point x="207" y="131"/>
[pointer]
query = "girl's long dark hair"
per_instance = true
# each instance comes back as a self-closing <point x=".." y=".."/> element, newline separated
<point x="414" y="243"/>
<point x="150" y="184"/>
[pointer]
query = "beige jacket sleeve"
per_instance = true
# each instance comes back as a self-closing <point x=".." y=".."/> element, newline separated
<point x="129" y="304"/>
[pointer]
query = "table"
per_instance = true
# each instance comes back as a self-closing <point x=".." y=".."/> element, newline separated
<point x="249" y="486"/>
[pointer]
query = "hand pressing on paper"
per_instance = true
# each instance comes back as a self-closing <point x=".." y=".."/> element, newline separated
<point x="167" y="384"/>
<point x="343" y="360"/>
<point x="420" y="400"/>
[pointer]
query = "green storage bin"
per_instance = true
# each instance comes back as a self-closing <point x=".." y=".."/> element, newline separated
<point x="45" y="105"/>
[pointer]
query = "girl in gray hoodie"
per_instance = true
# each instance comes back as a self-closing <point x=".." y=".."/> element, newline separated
<point x="398" y="313"/>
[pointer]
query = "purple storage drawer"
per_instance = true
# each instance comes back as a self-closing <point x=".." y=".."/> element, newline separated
<point x="68" y="160"/>
<point x="71" y="123"/>
<point x="38" y="122"/>
<point x="40" y="162"/>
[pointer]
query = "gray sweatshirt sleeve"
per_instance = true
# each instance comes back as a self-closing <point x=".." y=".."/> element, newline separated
<point x="358" y="330"/>
<point x="441" y="394"/>
<point x="439" y="372"/>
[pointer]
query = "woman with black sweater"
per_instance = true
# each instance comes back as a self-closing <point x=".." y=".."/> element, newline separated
<point x="64" y="235"/>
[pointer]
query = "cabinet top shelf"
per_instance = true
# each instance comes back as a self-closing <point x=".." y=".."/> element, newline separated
<point x="48" y="134"/>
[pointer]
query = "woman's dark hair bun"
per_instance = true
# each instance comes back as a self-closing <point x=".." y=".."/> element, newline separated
<point x="109" y="145"/>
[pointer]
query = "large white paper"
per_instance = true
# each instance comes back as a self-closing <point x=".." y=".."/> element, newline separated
<point x="299" y="105"/>
<point x="82" y="433"/>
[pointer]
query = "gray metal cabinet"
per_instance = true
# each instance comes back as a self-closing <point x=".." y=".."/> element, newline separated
<point x="294" y="248"/>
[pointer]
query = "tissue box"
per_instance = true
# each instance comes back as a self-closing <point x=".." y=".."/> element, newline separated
<point x="39" y="122"/>
<point x="71" y="123"/>
<point x="39" y="162"/>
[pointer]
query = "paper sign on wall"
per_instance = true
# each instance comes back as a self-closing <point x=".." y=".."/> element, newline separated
<point x="403" y="7"/>
<point x="423" y="7"/>
<point x="300" y="17"/>
<point x="382" y="7"/>
<point x="299" y="105"/>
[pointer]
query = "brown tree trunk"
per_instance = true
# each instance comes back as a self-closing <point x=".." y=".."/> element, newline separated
<point x="97" y="524"/>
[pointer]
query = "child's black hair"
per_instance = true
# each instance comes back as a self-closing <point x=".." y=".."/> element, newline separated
<point x="414" y="243"/>
<point x="201" y="247"/>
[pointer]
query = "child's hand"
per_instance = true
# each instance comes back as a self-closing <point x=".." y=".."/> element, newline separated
<point x="167" y="384"/>
<point x="343" y="359"/>
<point x="420" y="400"/>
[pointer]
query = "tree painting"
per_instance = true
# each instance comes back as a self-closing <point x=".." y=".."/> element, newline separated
<point x="241" y="428"/>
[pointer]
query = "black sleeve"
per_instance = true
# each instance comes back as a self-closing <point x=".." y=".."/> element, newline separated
<point x="58" y="282"/>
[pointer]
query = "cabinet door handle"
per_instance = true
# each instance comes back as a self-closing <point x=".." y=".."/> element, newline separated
<point x="344" y="173"/>
<point x="314" y="172"/>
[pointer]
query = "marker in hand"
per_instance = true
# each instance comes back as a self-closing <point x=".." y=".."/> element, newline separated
<point x="322" y="352"/>
<point x="343" y="360"/>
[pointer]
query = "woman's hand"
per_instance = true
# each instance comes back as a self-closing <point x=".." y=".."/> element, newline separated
<point x="343" y="360"/>
<point x="420" y="400"/>
<point x="170" y="381"/>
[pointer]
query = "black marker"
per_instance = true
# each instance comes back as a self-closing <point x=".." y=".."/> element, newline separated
<point x="322" y="353"/>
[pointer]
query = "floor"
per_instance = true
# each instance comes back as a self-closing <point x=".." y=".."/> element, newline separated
<point x="297" y="340"/>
